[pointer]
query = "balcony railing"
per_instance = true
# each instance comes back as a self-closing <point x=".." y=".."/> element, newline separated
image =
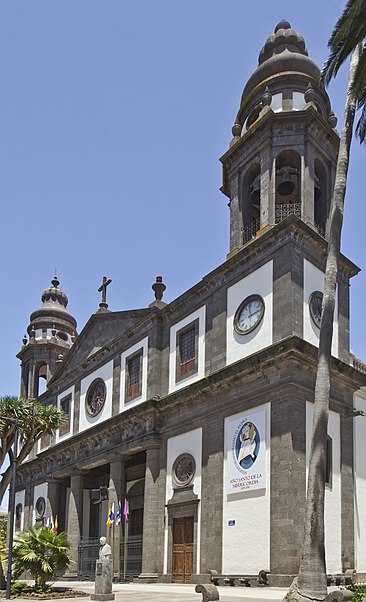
<point x="251" y="230"/>
<point x="283" y="211"/>
<point x="358" y="364"/>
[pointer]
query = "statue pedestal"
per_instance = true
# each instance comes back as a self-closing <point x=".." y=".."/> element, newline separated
<point x="103" y="580"/>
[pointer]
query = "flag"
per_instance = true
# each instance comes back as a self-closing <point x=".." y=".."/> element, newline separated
<point x="56" y="524"/>
<point x="118" y="513"/>
<point x="126" y="511"/>
<point x="52" y="524"/>
<point x="110" y="519"/>
<point x="47" y="522"/>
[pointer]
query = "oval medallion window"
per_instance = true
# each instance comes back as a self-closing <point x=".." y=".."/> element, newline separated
<point x="95" y="397"/>
<point x="183" y="470"/>
<point x="40" y="508"/>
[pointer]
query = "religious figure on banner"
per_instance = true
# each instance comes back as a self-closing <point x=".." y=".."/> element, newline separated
<point x="248" y="443"/>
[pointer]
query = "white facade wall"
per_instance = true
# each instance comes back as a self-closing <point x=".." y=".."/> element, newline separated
<point x="260" y="283"/>
<point x="20" y="499"/>
<point x="106" y="373"/>
<point x="246" y="544"/>
<point x="190" y="443"/>
<point x="359" y="433"/>
<point x="39" y="491"/>
<point x="69" y="391"/>
<point x="333" y="534"/>
<point x="314" y="281"/>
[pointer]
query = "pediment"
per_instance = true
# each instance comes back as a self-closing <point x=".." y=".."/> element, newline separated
<point x="101" y="330"/>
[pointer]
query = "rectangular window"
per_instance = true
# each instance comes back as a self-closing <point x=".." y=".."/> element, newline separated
<point x="45" y="441"/>
<point x="134" y="375"/>
<point x="65" y="406"/>
<point x="187" y="347"/>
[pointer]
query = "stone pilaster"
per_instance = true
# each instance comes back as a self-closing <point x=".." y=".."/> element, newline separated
<point x="75" y="519"/>
<point x="117" y="492"/>
<point x="53" y="496"/>
<point x="152" y="514"/>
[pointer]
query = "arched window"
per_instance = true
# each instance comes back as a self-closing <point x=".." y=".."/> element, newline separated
<point x="40" y="383"/>
<point x="321" y="206"/>
<point x="250" y="200"/>
<point x="288" y="194"/>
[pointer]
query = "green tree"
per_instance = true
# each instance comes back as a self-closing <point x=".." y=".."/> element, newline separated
<point x="347" y="39"/>
<point x="41" y="552"/>
<point x="35" y="420"/>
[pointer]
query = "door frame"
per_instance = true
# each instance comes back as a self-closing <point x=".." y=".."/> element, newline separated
<point x="180" y="508"/>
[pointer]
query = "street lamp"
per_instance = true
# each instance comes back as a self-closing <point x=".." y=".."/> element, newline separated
<point x="15" y="421"/>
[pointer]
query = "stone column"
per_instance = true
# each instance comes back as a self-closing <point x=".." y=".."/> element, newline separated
<point x="117" y="492"/>
<point x="150" y="556"/>
<point x="75" y="520"/>
<point x="235" y="217"/>
<point x="53" y="495"/>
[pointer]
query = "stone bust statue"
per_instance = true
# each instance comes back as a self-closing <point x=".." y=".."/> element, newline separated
<point x="105" y="550"/>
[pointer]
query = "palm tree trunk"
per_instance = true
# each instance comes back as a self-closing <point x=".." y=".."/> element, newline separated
<point x="311" y="582"/>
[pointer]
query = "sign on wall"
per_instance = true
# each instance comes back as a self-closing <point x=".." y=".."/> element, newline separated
<point x="245" y="437"/>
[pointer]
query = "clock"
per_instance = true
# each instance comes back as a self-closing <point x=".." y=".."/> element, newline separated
<point x="315" y="307"/>
<point x="183" y="470"/>
<point x="95" y="397"/>
<point x="249" y="314"/>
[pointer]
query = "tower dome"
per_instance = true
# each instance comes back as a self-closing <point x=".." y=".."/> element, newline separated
<point x="52" y="320"/>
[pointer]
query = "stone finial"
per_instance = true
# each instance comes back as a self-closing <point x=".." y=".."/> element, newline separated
<point x="33" y="334"/>
<point x="24" y="340"/>
<point x="236" y="129"/>
<point x="267" y="97"/>
<point x="53" y="331"/>
<point x="332" y="120"/>
<point x="60" y="359"/>
<point x="73" y="337"/>
<point x="159" y="288"/>
<point x="309" y="93"/>
<point x="55" y="281"/>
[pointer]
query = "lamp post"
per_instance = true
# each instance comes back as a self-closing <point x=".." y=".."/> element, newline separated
<point x="15" y="421"/>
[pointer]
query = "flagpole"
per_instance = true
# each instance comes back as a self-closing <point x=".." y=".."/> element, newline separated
<point x="119" y="547"/>
<point x="125" y="552"/>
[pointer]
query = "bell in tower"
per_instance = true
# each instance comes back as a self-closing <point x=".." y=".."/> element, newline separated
<point x="282" y="158"/>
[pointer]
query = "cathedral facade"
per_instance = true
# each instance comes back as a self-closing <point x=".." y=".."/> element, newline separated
<point x="199" y="412"/>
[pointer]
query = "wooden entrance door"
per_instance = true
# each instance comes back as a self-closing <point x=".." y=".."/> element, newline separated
<point x="182" y="549"/>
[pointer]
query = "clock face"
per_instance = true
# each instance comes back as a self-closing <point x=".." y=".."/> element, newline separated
<point x="315" y="307"/>
<point x="249" y="314"/>
<point x="95" y="397"/>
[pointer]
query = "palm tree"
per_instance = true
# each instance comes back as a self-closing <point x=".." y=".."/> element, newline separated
<point x="311" y="582"/>
<point x="350" y="33"/>
<point x="34" y="419"/>
<point x="41" y="552"/>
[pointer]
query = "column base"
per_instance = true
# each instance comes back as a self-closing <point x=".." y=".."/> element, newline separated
<point x="102" y="597"/>
<point x="147" y="578"/>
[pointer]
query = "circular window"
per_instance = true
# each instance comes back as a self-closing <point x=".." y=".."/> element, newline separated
<point x="95" y="397"/>
<point x="184" y="468"/>
<point x="315" y="307"/>
<point x="249" y="314"/>
<point x="40" y="507"/>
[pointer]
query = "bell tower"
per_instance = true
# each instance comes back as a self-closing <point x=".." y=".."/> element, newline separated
<point x="283" y="155"/>
<point x="51" y="332"/>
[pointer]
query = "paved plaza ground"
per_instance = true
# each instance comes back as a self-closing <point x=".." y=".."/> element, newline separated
<point x="170" y="592"/>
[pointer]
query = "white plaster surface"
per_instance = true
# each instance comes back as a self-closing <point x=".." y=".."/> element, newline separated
<point x="246" y="545"/>
<point x="333" y="535"/>
<point x="191" y="443"/>
<point x="314" y="281"/>
<point x="69" y="391"/>
<point x="39" y="491"/>
<point x="359" y="431"/>
<point x="143" y="344"/>
<point x="199" y="314"/>
<point x="20" y="499"/>
<point x="106" y="373"/>
<point x="259" y="282"/>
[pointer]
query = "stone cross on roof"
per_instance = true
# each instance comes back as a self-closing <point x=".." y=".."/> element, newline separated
<point x="103" y="306"/>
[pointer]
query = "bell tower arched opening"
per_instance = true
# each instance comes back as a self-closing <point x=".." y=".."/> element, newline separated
<point x="250" y="202"/>
<point x="321" y="204"/>
<point x="287" y="185"/>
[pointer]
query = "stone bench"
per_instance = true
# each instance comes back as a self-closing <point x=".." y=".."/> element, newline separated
<point x="232" y="580"/>
<point x="208" y="591"/>
<point x="347" y="578"/>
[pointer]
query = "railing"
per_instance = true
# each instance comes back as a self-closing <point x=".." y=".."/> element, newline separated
<point x="321" y="229"/>
<point x="88" y="552"/>
<point x="283" y="211"/>
<point x="251" y="230"/>
<point x="358" y="364"/>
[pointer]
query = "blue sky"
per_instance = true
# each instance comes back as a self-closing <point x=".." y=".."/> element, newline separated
<point x="112" y="118"/>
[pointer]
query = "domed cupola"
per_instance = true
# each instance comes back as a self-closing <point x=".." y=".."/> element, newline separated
<point x="52" y="320"/>
<point x="52" y="331"/>
<point x="282" y="158"/>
